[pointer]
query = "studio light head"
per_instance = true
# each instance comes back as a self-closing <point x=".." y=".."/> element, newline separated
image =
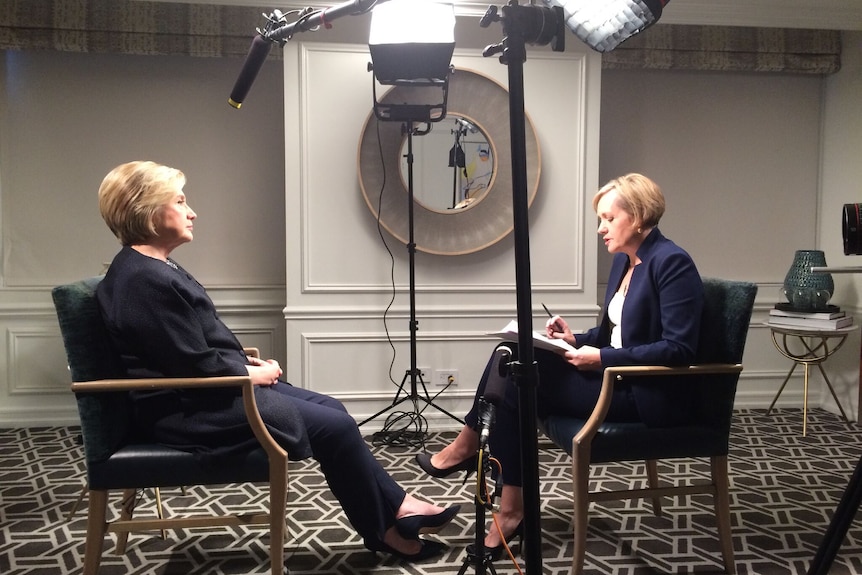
<point x="605" y="24"/>
<point x="411" y="44"/>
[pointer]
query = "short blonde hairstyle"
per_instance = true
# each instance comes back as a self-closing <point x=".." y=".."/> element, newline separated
<point x="132" y="194"/>
<point x="638" y="196"/>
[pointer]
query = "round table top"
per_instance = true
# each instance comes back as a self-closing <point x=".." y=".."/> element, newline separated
<point x="811" y="331"/>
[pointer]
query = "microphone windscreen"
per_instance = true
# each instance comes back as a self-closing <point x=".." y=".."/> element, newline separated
<point x="498" y="376"/>
<point x="257" y="54"/>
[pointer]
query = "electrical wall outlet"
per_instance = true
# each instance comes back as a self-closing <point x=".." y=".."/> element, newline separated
<point x="425" y="374"/>
<point x="444" y="377"/>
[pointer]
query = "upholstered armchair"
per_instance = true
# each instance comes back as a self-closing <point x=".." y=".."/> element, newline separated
<point x="724" y="327"/>
<point x="117" y="460"/>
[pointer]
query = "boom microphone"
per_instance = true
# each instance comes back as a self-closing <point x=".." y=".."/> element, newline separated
<point x="495" y="390"/>
<point x="257" y="54"/>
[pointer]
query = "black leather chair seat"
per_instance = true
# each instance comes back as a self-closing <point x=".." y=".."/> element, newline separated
<point x="159" y="466"/>
<point x="636" y="441"/>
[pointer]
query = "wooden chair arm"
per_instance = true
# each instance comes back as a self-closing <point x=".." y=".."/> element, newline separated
<point x="612" y="374"/>
<point x="251" y="351"/>
<point x="272" y="448"/>
<point x="155" y="383"/>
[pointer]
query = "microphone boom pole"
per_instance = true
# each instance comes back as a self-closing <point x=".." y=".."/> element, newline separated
<point x="310" y="19"/>
<point x="277" y="31"/>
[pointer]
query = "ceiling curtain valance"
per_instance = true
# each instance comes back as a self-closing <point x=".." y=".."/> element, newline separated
<point x="142" y="27"/>
<point x="729" y="48"/>
<point x="128" y="27"/>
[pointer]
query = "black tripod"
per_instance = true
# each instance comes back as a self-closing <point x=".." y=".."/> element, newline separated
<point x="414" y="375"/>
<point x="478" y="558"/>
<point x="838" y="527"/>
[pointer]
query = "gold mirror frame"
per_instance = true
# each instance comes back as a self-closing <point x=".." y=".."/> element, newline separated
<point x="457" y="232"/>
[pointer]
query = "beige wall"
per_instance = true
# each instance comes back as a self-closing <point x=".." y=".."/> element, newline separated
<point x="753" y="166"/>
<point x="66" y="119"/>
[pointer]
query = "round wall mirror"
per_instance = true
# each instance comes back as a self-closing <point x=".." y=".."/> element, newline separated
<point x="458" y="210"/>
<point x="456" y="146"/>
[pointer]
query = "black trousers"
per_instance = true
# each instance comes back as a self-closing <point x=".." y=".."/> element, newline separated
<point x="215" y="426"/>
<point x="369" y="496"/>
<point x="562" y="390"/>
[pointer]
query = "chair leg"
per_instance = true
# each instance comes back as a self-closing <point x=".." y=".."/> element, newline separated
<point x="97" y="527"/>
<point x="77" y="503"/>
<point x="652" y="479"/>
<point x="580" y="507"/>
<point x="722" y="511"/>
<point x="160" y="512"/>
<point x="127" y="509"/>
<point x="277" y="508"/>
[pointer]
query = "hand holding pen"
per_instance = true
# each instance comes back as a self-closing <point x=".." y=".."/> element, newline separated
<point x="556" y="327"/>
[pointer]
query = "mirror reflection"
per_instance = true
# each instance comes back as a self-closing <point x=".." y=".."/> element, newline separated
<point x="453" y="164"/>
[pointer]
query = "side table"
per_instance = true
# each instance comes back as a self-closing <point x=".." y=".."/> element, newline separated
<point x="808" y="346"/>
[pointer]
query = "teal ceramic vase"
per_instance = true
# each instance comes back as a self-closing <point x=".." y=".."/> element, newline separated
<point x="804" y="289"/>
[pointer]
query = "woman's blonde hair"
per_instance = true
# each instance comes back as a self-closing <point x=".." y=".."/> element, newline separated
<point x="639" y="196"/>
<point x="132" y="194"/>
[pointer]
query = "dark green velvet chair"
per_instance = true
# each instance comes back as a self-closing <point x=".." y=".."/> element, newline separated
<point x="726" y="317"/>
<point x="117" y="460"/>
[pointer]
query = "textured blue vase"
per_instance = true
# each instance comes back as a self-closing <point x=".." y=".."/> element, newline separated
<point x="805" y="290"/>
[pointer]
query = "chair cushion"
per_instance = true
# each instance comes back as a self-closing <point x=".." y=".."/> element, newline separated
<point x="105" y="417"/>
<point x="155" y="465"/>
<point x="636" y="441"/>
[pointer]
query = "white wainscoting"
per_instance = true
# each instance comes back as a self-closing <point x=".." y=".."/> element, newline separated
<point x="35" y="385"/>
<point x="339" y="272"/>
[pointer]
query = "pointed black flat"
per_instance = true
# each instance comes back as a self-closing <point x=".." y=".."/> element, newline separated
<point x="494" y="553"/>
<point x="412" y="526"/>
<point x="469" y="465"/>
<point x="428" y="550"/>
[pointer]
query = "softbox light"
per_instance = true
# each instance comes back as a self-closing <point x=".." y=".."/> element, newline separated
<point x="412" y="41"/>
<point x="605" y="24"/>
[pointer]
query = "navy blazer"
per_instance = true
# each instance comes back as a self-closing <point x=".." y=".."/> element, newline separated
<point x="163" y="324"/>
<point x="660" y="322"/>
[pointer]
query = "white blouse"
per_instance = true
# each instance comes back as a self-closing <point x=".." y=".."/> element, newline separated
<point x="615" y="314"/>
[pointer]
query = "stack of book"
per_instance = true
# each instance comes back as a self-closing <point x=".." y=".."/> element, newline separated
<point x="829" y="318"/>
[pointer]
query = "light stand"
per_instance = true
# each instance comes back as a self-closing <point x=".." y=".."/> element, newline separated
<point x="456" y="160"/>
<point x="417" y="58"/>
<point x="396" y="112"/>
<point x="536" y="25"/>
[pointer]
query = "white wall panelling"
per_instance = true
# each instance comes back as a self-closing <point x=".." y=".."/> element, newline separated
<point x="339" y="271"/>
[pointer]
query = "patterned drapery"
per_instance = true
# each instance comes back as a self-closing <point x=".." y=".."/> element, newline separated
<point x="129" y="27"/>
<point x="730" y="48"/>
<point x="144" y="27"/>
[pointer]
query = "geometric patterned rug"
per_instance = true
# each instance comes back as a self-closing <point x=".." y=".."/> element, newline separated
<point x="784" y="489"/>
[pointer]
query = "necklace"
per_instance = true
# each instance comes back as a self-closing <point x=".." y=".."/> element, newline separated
<point x="624" y="285"/>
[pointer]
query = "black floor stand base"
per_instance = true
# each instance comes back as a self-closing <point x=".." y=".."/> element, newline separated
<point x="485" y="565"/>
<point x="408" y="427"/>
<point x="841" y="521"/>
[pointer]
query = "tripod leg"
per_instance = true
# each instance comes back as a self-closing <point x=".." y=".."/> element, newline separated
<point x="841" y="521"/>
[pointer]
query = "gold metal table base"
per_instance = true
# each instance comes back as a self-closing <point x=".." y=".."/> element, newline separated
<point x="816" y="349"/>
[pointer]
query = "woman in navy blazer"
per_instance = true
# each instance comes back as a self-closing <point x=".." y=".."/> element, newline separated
<point x="651" y="316"/>
<point x="163" y="324"/>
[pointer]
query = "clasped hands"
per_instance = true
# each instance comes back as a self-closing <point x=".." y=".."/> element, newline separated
<point x="263" y="371"/>
<point x="583" y="357"/>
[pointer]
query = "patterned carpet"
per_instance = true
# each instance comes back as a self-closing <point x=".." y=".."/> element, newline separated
<point x="784" y="489"/>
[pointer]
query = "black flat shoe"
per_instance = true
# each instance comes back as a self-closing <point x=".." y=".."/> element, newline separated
<point x="494" y="553"/>
<point x="428" y="550"/>
<point x="469" y="465"/>
<point x="412" y="526"/>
